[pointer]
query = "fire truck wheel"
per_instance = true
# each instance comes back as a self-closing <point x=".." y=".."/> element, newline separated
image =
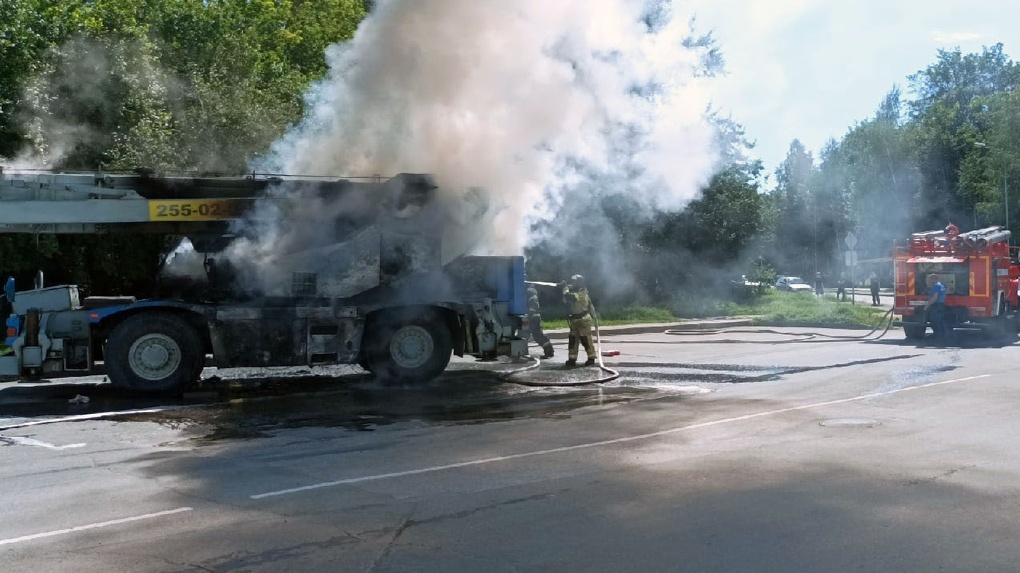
<point x="415" y="350"/>
<point x="154" y="352"/>
<point x="914" y="331"/>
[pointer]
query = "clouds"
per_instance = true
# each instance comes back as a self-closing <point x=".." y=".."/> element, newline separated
<point x="810" y="69"/>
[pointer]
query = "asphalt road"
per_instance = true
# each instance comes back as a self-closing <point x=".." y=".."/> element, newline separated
<point x="723" y="451"/>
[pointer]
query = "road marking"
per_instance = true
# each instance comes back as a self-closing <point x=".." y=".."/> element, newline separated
<point x="94" y="416"/>
<point x="93" y="526"/>
<point x="37" y="443"/>
<point x="623" y="440"/>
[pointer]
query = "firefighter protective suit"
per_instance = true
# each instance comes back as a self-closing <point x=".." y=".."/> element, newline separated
<point x="575" y="296"/>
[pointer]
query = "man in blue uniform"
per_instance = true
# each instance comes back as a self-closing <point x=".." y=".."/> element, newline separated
<point x="935" y="306"/>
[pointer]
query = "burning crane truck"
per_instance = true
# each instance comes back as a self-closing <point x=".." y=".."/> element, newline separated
<point x="370" y="273"/>
<point x="978" y="270"/>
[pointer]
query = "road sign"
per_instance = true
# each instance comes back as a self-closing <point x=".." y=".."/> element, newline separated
<point x="850" y="257"/>
<point x="850" y="240"/>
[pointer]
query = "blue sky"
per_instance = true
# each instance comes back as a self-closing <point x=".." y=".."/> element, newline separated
<point x="811" y="69"/>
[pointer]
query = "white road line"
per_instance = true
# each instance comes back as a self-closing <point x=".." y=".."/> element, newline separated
<point x="93" y="526"/>
<point x="37" y="443"/>
<point x="94" y="416"/>
<point x="483" y="461"/>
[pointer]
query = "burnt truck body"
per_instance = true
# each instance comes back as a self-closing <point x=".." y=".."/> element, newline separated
<point x="357" y="272"/>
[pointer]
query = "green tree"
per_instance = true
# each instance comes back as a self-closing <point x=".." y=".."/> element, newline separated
<point x="195" y="85"/>
<point x="944" y="127"/>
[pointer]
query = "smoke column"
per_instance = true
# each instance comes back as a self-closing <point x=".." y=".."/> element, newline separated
<point x="525" y="98"/>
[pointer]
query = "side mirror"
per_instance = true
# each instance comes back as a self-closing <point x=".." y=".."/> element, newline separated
<point x="9" y="289"/>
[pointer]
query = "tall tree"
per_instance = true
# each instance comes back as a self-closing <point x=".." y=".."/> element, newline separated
<point x="944" y="126"/>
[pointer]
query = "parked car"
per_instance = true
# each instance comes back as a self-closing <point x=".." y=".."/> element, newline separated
<point x="793" y="284"/>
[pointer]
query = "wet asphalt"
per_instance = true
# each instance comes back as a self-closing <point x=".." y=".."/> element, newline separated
<point x="737" y="450"/>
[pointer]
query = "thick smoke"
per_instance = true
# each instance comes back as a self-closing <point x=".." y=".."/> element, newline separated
<point x="527" y="99"/>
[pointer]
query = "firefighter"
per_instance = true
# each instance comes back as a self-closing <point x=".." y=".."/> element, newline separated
<point x="575" y="295"/>
<point x="535" y="322"/>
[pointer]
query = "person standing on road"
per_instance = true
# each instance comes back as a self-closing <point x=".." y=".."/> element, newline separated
<point x="819" y="287"/>
<point x="575" y="295"/>
<point x="535" y="323"/>
<point x="841" y="288"/>
<point x="935" y="306"/>
<point x="873" y="283"/>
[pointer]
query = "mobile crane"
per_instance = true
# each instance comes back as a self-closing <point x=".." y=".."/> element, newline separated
<point x="377" y="284"/>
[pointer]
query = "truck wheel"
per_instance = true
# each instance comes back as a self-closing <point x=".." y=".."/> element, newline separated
<point x="415" y="351"/>
<point x="363" y="362"/>
<point x="154" y="353"/>
<point x="915" y="331"/>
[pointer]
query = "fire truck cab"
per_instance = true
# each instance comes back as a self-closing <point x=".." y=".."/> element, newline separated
<point x="977" y="268"/>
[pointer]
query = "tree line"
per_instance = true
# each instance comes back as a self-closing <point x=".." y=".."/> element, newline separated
<point x="203" y="85"/>
<point x="947" y="153"/>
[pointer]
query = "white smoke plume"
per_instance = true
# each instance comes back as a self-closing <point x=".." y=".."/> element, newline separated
<point x="525" y="98"/>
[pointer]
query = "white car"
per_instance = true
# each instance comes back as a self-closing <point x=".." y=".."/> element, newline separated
<point x="793" y="284"/>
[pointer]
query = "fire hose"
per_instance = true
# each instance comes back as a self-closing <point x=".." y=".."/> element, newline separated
<point x="612" y="374"/>
<point x="884" y="323"/>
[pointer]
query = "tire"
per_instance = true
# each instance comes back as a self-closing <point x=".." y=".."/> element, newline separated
<point x="364" y="364"/>
<point x="416" y="350"/>
<point x="914" y="331"/>
<point x="154" y="353"/>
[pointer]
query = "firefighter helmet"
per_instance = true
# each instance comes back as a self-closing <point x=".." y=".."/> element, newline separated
<point x="577" y="282"/>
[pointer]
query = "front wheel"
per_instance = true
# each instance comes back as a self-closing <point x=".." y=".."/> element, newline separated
<point x="155" y="352"/>
<point x="413" y="351"/>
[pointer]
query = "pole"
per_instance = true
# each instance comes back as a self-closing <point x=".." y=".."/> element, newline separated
<point x="814" y="237"/>
<point x="853" y="280"/>
<point x="1005" y="196"/>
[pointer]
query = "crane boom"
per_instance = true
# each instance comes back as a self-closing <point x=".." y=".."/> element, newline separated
<point x="48" y="202"/>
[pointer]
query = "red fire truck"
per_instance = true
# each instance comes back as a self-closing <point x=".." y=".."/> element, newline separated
<point x="978" y="270"/>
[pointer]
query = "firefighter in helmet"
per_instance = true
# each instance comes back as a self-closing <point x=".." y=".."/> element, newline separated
<point x="535" y="322"/>
<point x="951" y="230"/>
<point x="575" y="295"/>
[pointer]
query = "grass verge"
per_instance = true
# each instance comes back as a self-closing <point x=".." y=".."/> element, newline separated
<point x="774" y="308"/>
<point x="789" y="309"/>
<point x="626" y="315"/>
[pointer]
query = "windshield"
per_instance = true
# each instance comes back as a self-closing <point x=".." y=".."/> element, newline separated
<point x="796" y="281"/>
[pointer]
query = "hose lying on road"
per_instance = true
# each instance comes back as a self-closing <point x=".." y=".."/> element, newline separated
<point x="885" y="323"/>
<point x="613" y="374"/>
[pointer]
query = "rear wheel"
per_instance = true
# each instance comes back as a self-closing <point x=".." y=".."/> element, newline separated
<point x="154" y="353"/>
<point x="914" y="331"/>
<point x="414" y="350"/>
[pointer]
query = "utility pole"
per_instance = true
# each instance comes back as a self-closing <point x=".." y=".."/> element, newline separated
<point x="1006" y="198"/>
<point x="1005" y="183"/>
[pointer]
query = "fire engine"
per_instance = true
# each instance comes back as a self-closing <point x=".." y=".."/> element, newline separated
<point x="978" y="270"/>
